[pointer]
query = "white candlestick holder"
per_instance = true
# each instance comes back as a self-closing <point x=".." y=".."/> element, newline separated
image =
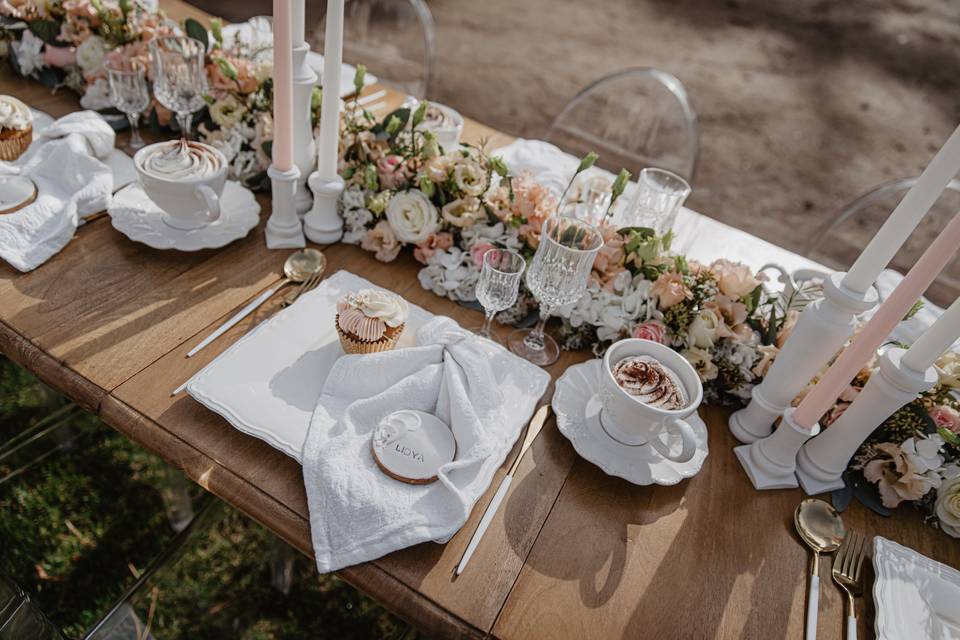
<point x="822" y="460"/>
<point x="304" y="147"/>
<point x="771" y="462"/>
<point x="284" y="230"/>
<point x="820" y="331"/>
<point x="323" y="224"/>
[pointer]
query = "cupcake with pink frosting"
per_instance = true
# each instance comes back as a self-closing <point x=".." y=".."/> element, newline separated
<point x="370" y="321"/>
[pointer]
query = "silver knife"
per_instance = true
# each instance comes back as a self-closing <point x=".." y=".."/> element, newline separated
<point x="533" y="430"/>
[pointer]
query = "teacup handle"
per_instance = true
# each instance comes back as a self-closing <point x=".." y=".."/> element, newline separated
<point x="687" y="436"/>
<point x="210" y="199"/>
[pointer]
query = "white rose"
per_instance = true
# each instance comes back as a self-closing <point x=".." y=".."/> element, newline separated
<point x="227" y="112"/>
<point x="412" y="216"/>
<point x="703" y="329"/>
<point x="470" y="177"/>
<point x="947" y="506"/>
<point x="948" y="367"/>
<point x="90" y="54"/>
<point x="701" y="361"/>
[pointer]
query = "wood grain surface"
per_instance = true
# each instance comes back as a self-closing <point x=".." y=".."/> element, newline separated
<point x="572" y="553"/>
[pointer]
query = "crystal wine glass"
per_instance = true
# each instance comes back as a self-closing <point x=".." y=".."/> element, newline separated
<point x="556" y="276"/>
<point x="130" y="94"/>
<point x="660" y="193"/>
<point x="179" y="76"/>
<point x="595" y="199"/>
<point x="498" y="284"/>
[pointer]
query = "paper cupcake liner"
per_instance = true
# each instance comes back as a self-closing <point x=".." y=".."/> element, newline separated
<point x="351" y="345"/>
<point x="13" y="148"/>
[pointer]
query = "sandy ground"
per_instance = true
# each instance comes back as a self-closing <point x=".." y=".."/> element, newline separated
<point x="802" y="105"/>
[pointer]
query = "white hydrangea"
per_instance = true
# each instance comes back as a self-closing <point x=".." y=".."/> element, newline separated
<point x="90" y="54"/>
<point x="355" y="223"/>
<point x="450" y="273"/>
<point x="97" y="96"/>
<point x="29" y="56"/>
<point x="245" y="165"/>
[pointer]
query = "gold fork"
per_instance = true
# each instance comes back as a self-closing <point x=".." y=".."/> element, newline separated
<point x="847" y="573"/>
<point x="308" y="285"/>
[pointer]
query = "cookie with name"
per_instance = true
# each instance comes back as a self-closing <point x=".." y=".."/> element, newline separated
<point x="411" y="446"/>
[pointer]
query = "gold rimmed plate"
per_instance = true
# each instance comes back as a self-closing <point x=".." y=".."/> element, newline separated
<point x="16" y="192"/>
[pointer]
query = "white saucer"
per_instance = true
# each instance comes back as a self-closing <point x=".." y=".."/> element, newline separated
<point x="136" y="216"/>
<point x="576" y="402"/>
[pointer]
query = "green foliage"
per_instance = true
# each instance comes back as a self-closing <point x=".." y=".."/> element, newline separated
<point x="197" y="31"/>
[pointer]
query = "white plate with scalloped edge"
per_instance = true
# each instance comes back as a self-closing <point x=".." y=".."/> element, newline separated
<point x="915" y="597"/>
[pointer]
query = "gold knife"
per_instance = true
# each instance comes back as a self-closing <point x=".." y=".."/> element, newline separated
<point x="533" y="430"/>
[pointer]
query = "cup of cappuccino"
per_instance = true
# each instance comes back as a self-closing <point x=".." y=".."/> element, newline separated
<point x="185" y="179"/>
<point x="646" y="389"/>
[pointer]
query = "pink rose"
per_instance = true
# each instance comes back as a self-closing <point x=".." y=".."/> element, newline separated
<point x="652" y="330"/>
<point x="477" y="251"/>
<point x="392" y="172"/>
<point x="946" y="417"/>
<point x="60" y="57"/>
<point x="428" y="247"/>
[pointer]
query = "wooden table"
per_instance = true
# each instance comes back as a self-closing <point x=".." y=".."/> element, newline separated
<point x="572" y="553"/>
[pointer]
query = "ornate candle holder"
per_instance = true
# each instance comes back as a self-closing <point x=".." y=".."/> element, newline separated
<point x="304" y="148"/>
<point x="284" y="230"/>
<point x="821" y="330"/>
<point x="822" y="460"/>
<point x="771" y="462"/>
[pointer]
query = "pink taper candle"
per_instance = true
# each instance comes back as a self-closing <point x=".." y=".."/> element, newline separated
<point x="873" y="334"/>
<point x="282" y="85"/>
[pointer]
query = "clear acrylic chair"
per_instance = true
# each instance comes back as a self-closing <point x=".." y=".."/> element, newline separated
<point x="839" y="241"/>
<point x="395" y="39"/>
<point x="634" y="118"/>
<point x="129" y="618"/>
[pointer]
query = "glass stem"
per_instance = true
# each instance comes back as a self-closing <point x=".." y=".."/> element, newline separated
<point x="487" y="321"/>
<point x="534" y="339"/>
<point x="183" y="119"/>
<point x="136" y="141"/>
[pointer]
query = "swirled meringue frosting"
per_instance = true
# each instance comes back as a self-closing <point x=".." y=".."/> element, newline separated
<point x="369" y="314"/>
<point x="180" y="160"/>
<point x="651" y="382"/>
<point x="14" y="115"/>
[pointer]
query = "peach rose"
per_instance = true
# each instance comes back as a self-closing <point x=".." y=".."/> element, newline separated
<point x="652" y="330"/>
<point x="670" y="289"/>
<point x="787" y="327"/>
<point x="246" y="81"/>
<point x="734" y="279"/>
<point x="382" y="242"/>
<point x="609" y="261"/>
<point x="946" y="417"/>
<point x="428" y="247"/>
<point x="392" y="172"/>
<point x="895" y="477"/>
<point x="768" y="353"/>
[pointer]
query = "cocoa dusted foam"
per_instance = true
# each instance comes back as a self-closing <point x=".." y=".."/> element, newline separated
<point x="181" y="160"/>
<point x="651" y="382"/>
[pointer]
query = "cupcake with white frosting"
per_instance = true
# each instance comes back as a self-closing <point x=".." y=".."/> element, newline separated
<point x="16" y="128"/>
<point x="370" y="321"/>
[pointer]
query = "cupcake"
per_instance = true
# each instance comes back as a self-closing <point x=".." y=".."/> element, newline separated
<point x="16" y="128"/>
<point x="370" y="321"/>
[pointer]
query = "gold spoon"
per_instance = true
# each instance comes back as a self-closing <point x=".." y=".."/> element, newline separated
<point x="821" y="528"/>
<point x="298" y="268"/>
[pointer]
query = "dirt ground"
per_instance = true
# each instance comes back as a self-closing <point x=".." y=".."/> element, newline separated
<point x="802" y="105"/>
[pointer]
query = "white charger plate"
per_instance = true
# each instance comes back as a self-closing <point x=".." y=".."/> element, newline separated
<point x="267" y="384"/>
<point x="576" y="402"/>
<point x="915" y="597"/>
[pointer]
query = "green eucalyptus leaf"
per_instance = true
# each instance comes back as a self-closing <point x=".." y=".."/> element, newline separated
<point x="197" y="31"/>
<point x="46" y="30"/>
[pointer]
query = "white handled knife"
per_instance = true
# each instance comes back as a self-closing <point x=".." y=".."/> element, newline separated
<point x="533" y="429"/>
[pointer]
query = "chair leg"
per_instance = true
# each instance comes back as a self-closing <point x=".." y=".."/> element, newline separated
<point x="122" y="617"/>
<point x="55" y="432"/>
<point x="20" y="617"/>
<point x="282" y="557"/>
<point x="175" y="493"/>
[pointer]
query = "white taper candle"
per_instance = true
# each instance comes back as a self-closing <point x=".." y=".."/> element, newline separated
<point x="935" y="341"/>
<point x="906" y="216"/>
<point x="330" y="109"/>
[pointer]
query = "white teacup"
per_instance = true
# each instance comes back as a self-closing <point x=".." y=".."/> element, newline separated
<point x="626" y="419"/>
<point x="189" y="195"/>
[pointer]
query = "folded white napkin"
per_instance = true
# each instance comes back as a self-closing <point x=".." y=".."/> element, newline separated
<point x="357" y="513"/>
<point x="65" y="161"/>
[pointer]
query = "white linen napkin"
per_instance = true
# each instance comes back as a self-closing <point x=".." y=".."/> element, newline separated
<point x="65" y="161"/>
<point x="357" y="513"/>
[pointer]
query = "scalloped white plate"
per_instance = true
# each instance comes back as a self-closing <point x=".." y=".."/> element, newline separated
<point x="136" y="216"/>
<point x="916" y="597"/>
<point x="577" y="405"/>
